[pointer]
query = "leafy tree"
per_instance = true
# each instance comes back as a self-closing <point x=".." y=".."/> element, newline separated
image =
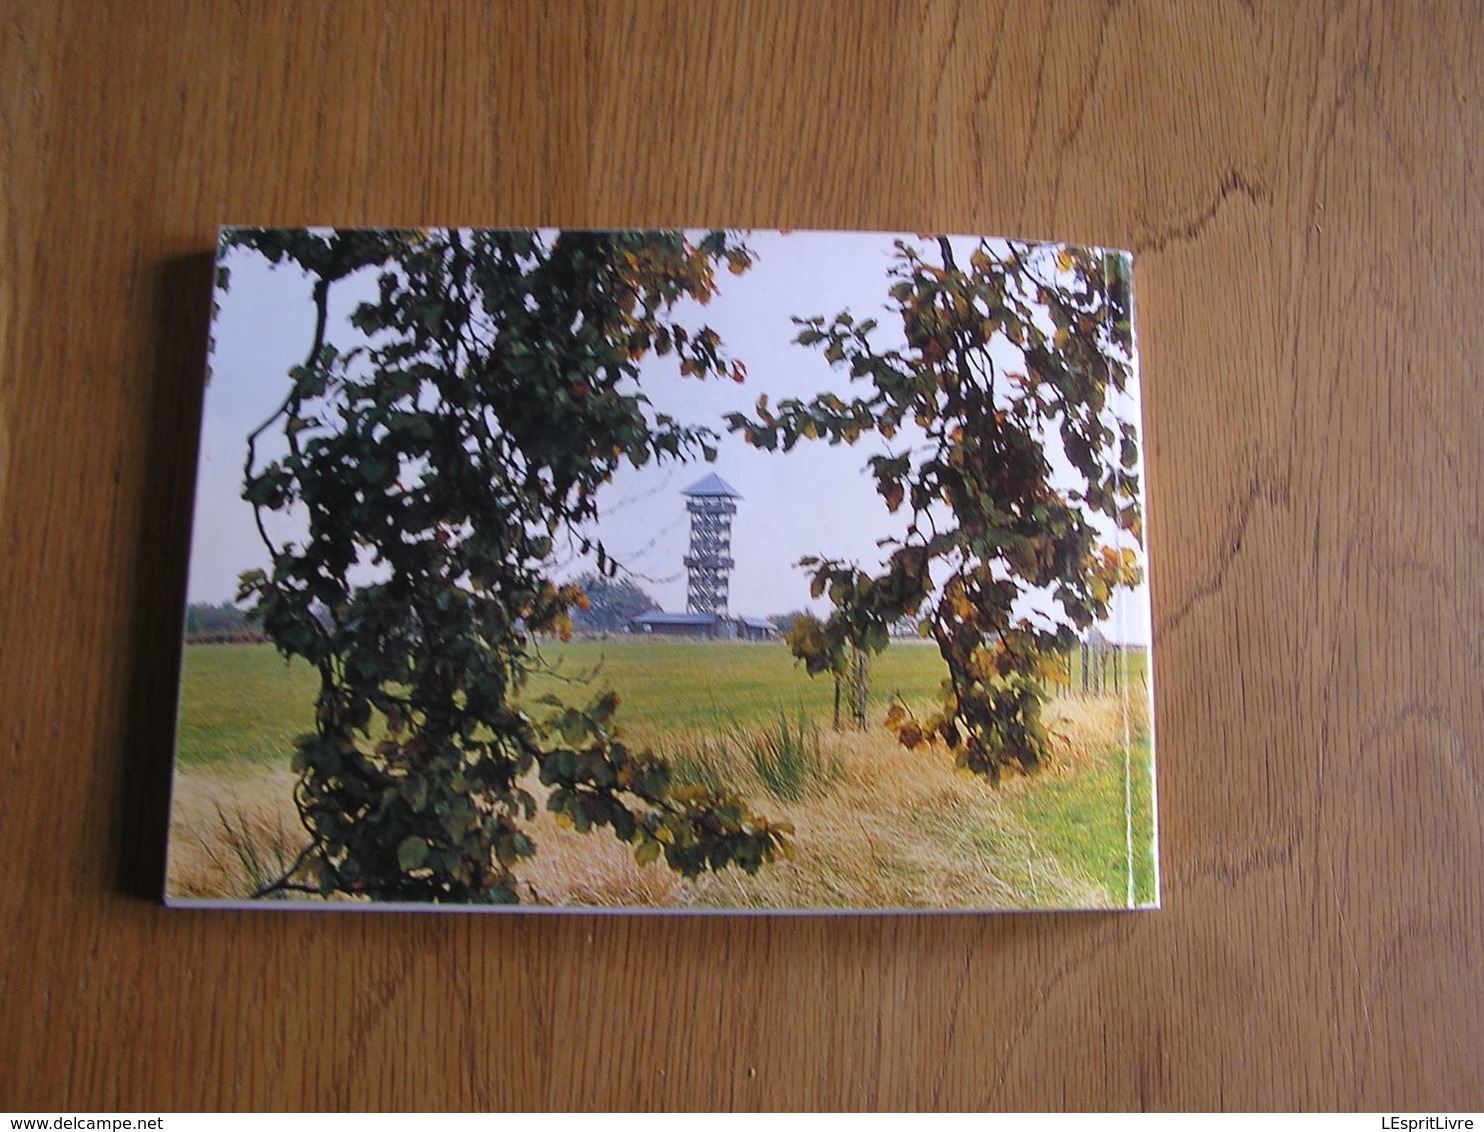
<point x="832" y="646"/>
<point x="1019" y="352"/>
<point x="783" y="622"/>
<point x="609" y="605"/>
<point x="492" y="389"/>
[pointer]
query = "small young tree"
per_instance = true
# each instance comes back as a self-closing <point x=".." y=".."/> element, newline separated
<point x="831" y="646"/>
<point x="783" y="622"/>
<point x="989" y="529"/>
<point x="492" y="389"/>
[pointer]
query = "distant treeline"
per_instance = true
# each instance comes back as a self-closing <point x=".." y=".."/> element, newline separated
<point x="219" y="624"/>
<point x="611" y="604"/>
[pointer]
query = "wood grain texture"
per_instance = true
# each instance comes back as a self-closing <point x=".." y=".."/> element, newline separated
<point x="1300" y="183"/>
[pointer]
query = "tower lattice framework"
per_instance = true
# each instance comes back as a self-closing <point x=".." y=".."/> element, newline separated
<point x="711" y="504"/>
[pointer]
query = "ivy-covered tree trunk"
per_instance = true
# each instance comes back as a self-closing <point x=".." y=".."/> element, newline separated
<point x="438" y="450"/>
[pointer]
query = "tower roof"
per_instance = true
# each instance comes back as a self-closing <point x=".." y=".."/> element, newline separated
<point x="712" y="486"/>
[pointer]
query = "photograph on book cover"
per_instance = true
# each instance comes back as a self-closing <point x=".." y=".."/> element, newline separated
<point x="666" y="570"/>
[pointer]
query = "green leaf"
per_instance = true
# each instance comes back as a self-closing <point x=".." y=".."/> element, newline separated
<point x="411" y="853"/>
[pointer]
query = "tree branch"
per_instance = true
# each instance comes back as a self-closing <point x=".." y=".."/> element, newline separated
<point x="321" y="306"/>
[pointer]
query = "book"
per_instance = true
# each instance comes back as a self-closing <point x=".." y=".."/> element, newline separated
<point x="667" y="570"/>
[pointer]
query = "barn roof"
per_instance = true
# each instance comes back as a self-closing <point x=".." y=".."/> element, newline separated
<point x="713" y="486"/>
<point x="659" y="618"/>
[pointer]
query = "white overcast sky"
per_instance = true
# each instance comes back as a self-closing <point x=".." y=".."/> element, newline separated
<point x="815" y="500"/>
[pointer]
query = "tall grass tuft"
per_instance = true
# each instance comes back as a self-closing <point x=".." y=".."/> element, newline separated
<point x="263" y="853"/>
<point x="704" y="761"/>
<point x="783" y="757"/>
<point x="787" y="758"/>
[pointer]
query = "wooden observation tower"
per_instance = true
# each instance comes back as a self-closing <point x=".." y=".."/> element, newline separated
<point x="711" y="503"/>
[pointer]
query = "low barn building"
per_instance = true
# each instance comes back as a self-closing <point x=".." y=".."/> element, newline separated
<point x="755" y="629"/>
<point x="703" y="626"/>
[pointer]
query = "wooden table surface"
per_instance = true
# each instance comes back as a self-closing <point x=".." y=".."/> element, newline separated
<point x="1300" y="185"/>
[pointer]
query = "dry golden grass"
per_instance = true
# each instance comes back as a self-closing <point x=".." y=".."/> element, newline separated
<point x="881" y="828"/>
<point x="1082" y="729"/>
<point x="219" y="822"/>
<point x="898" y="829"/>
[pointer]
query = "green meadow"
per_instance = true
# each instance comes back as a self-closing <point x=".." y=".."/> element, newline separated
<point x="241" y="706"/>
<point x="245" y="703"/>
<point x="746" y="715"/>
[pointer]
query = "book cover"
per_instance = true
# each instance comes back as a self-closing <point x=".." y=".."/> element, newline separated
<point x="666" y="570"/>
